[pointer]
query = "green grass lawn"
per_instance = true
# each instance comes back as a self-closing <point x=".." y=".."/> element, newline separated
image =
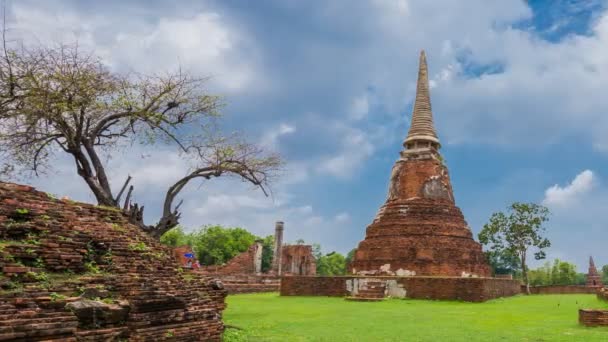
<point x="269" y="317"/>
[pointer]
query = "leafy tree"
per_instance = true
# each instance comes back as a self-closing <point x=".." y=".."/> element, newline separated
<point x="59" y="100"/>
<point x="331" y="264"/>
<point x="516" y="232"/>
<point x="316" y="250"/>
<point x="175" y="237"/>
<point x="563" y="273"/>
<point x="581" y="279"/>
<point x="349" y="258"/>
<point x="605" y="274"/>
<point x="556" y="273"/>
<point x="540" y="276"/>
<point x="502" y="262"/>
<point x="215" y="245"/>
<point x="267" y="253"/>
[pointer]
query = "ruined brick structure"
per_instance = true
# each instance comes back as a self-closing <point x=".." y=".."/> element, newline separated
<point x="243" y="273"/>
<point x="559" y="289"/>
<point x="248" y="262"/>
<point x="187" y="262"/>
<point x="78" y="272"/>
<point x="278" y="247"/>
<point x="593" y="317"/>
<point x="419" y="230"/>
<point x="452" y="288"/>
<point x="298" y="260"/>
<point x="593" y="277"/>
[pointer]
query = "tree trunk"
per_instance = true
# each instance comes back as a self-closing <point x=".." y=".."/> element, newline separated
<point x="524" y="271"/>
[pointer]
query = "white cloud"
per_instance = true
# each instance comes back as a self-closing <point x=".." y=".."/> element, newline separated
<point x="356" y="149"/>
<point x="563" y="196"/>
<point x="271" y="138"/>
<point x="202" y="43"/>
<point x="342" y="217"/>
<point x="359" y="107"/>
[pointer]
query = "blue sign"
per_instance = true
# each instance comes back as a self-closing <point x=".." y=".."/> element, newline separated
<point x="189" y="255"/>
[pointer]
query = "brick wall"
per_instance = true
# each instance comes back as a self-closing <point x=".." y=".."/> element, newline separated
<point x="240" y="283"/>
<point x="592" y="317"/>
<point x="446" y="288"/>
<point x="58" y="253"/>
<point x="560" y="289"/>
<point x="602" y="294"/>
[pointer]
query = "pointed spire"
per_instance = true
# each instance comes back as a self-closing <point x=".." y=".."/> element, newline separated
<point x="422" y="128"/>
<point x="591" y="263"/>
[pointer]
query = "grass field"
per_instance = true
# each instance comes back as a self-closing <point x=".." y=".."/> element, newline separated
<point x="269" y="317"/>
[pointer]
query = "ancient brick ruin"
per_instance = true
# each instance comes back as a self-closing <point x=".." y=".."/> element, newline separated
<point x="243" y="273"/>
<point x="419" y="245"/>
<point x="78" y="272"/>
<point x="595" y="317"/>
<point x="298" y="260"/>
<point x="419" y="230"/>
<point x="373" y="288"/>
<point x="593" y="277"/>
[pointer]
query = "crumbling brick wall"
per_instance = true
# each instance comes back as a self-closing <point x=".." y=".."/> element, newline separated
<point x="74" y="271"/>
<point x="559" y="289"/>
<point x="444" y="288"/>
<point x="593" y="317"/>
<point x="243" y="263"/>
<point x="298" y="260"/>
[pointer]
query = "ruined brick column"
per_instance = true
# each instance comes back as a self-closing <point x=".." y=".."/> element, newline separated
<point x="420" y="230"/>
<point x="593" y="278"/>
<point x="278" y="244"/>
<point x="257" y="257"/>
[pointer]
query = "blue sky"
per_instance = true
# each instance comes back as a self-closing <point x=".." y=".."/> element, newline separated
<point x="518" y="93"/>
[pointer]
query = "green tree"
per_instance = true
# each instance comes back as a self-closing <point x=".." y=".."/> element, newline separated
<point x="348" y="259"/>
<point x="331" y="264"/>
<point x="563" y="273"/>
<point x="61" y="100"/>
<point x="516" y="232"/>
<point x="541" y="276"/>
<point x="502" y="262"/>
<point x="581" y="279"/>
<point x="267" y="253"/>
<point x="215" y="245"/>
<point x="605" y="274"/>
<point x="175" y="237"/>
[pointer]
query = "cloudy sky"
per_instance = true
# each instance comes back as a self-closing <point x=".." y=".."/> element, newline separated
<point x="518" y="89"/>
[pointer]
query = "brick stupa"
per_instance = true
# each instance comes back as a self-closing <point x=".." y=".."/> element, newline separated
<point x="593" y="278"/>
<point x="419" y="230"/>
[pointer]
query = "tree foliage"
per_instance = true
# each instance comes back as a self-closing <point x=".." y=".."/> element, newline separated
<point x="557" y="273"/>
<point x="605" y="274"/>
<point x="331" y="264"/>
<point x="59" y="100"/>
<point x="517" y="232"/>
<point x="216" y="245"/>
<point x="349" y="258"/>
<point x="503" y="262"/>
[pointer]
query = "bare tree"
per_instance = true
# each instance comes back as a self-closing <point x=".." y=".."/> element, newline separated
<point x="59" y="100"/>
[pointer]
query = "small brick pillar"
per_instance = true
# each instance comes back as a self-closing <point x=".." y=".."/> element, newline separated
<point x="278" y="244"/>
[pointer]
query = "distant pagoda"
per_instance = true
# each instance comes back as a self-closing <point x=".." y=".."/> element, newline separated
<point x="419" y="230"/>
<point x="593" y="278"/>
